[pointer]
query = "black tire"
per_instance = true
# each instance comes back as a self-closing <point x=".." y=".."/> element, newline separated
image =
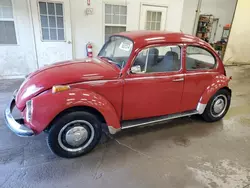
<point x="90" y="129"/>
<point x="209" y="114"/>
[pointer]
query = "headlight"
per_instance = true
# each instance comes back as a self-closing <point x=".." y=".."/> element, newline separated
<point x="29" y="110"/>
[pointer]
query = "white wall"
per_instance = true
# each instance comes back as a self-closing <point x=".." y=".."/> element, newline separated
<point x="91" y="28"/>
<point x="188" y="16"/>
<point x="222" y="9"/>
<point x="19" y="60"/>
<point x="238" y="46"/>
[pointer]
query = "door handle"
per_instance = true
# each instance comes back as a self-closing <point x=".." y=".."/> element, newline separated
<point x="69" y="42"/>
<point x="178" y="80"/>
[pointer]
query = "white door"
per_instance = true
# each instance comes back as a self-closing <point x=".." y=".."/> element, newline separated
<point x="52" y="27"/>
<point x="153" y="17"/>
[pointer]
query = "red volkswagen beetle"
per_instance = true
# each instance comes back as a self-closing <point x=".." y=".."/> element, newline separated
<point x="138" y="78"/>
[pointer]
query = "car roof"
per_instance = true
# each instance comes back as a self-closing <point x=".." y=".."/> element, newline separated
<point x="143" y="38"/>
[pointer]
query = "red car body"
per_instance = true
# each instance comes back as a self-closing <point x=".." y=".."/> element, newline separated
<point x="117" y="95"/>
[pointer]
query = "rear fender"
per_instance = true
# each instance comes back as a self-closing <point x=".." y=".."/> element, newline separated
<point x="218" y="83"/>
<point x="48" y="105"/>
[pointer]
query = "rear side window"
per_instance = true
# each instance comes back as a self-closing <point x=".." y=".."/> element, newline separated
<point x="198" y="58"/>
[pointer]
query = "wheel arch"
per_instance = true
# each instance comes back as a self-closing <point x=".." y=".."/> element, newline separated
<point x="228" y="89"/>
<point x="89" y="109"/>
<point x="220" y="82"/>
<point x="50" y="106"/>
<point x="210" y="115"/>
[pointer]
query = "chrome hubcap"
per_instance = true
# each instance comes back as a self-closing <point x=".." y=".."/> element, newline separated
<point x="76" y="136"/>
<point x="219" y="105"/>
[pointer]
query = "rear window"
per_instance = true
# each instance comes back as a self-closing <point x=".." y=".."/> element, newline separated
<point x="198" y="58"/>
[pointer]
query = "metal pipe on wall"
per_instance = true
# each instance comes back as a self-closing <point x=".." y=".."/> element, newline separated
<point x="197" y="15"/>
<point x="33" y="30"/>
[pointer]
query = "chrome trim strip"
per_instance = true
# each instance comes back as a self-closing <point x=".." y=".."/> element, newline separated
<point x="201" y="108"/>
<point x="161" y="120"/>
<point x="94" y="82"/>
<point x="147" y="76"/>
<point x="17" y="128"/>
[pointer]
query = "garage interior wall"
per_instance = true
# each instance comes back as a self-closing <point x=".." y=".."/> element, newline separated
<point x="238" y="48"/>
<point x="20" y="59"/>
<point x="17" y="60"/>
<point x="222" y="9"/>
<point x="91" y="28"/>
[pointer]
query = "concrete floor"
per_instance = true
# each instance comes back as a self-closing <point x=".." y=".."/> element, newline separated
<point x="184" y="153"/>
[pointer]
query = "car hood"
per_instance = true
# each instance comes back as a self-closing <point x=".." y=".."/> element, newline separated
<point x="67" y="72"/>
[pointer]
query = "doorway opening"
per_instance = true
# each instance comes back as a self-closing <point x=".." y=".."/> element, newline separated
<point x="213" y="20"/>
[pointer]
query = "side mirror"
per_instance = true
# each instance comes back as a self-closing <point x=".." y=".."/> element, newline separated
<point x="136" y="69"/>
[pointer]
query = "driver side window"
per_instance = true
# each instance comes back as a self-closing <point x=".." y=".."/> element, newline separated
<point x="158" y="59"/>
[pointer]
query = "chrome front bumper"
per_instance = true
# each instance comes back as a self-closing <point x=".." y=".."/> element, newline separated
<point x="16" y="125"/>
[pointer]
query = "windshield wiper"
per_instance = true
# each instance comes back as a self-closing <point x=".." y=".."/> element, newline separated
<point x="108" y="58"/>
<point x="111" y="61"/>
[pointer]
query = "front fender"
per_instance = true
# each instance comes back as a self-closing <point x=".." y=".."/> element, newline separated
<point x="48" y="105"/>
<point x="217" y="83"/>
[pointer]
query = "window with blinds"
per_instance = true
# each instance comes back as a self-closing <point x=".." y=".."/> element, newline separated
<point x="115" y="19"/>
<point x="7" y="24"/>
<point x="153" y="21"/>
<point x="52" y="21"/>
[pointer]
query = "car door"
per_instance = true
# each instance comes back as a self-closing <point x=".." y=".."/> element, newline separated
<point x="200" y="65"/>
<point x="155" y="83"/>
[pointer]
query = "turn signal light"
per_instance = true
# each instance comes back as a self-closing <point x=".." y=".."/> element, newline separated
<point x="60" y="88"/>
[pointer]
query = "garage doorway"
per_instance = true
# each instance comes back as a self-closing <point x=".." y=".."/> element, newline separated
<point x="153" y="17"/>
<point x="52" y="29"/>
<point x="212" y="21"/>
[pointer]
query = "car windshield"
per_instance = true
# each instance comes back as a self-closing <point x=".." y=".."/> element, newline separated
<point x="117" y="51"/>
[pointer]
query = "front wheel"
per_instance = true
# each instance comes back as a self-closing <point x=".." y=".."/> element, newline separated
<point x="217" y="106"/>
<point x="74" y="134"/>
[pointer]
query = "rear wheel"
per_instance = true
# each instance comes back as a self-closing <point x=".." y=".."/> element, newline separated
<point x="74" y="134"/>
<point x="217" y="106"/>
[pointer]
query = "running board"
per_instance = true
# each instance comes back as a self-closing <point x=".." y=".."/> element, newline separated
<point x="154" y="120"/>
